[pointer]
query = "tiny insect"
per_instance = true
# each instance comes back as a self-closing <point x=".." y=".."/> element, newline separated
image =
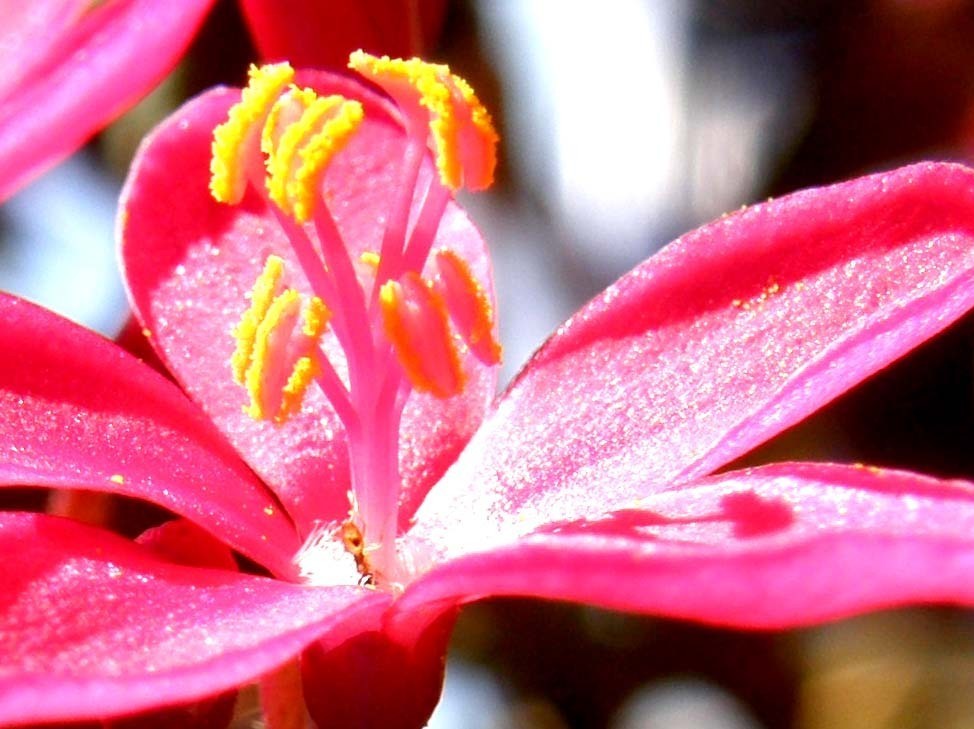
<point x="355" y="545"/>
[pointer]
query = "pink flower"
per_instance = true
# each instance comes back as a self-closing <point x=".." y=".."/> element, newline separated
<point x="71" y="66"/>
<point x="392" y="491"/>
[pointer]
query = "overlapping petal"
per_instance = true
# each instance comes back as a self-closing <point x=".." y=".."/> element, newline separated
<point x="93" y="625"/>
<point x="723" y="339"/>
<point x="321" y="34"/>
<point x="78" y="412"/>
<point x="74" y="66"/>
<point x="190" y="263"/>
<point x="778" y="546"/>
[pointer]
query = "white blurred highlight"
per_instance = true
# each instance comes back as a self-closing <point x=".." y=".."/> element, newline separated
<point x="594" y="112"/>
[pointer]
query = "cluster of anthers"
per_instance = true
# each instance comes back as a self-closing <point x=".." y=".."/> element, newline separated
<point x="398" y="329"/>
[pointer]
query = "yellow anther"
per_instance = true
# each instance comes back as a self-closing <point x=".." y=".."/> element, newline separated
<point x="318" y="153"/>
<point x="286" y="110"/>
<point x="279" y="320"/>
<point x="370" y="259"/>
<point x="274" y="358"/>
<point x="316" y="318"/>
<point x="469" y="306"/>
<point x="302" y="375"/>
<point x="228" y="179"/>
<point x="464" y="139"/>
<point x="304" y="148"/>
<point x="417" y="325"/>
<point x="264" y="291"/>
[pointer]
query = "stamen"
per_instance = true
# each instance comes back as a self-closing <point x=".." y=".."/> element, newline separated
<point x="416" y="323"/>
<point x="265" y="289"/>
<point x="469" y="306"/>
<point x="318" y="153"/>
<point x="304" y="373"/>
<point x="265" y="369"/>
<point x="233" y="139"/>
<point x="463" y="135"/>
<point x="286" y="111"/>
<point x="307" y="368"/>
<point x="304" y="149"/>
<point x="274" y="359"/>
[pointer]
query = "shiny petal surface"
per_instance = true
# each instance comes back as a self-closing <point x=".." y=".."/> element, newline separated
<point x="78" y="412"/>
<point x="93" y="625"/>
<point x="778" y="546"/>
<point x="720" y="341"/>
<point x="322" y="34"/>
<point x="76" y="68"/>
<point x="190" y="263"/>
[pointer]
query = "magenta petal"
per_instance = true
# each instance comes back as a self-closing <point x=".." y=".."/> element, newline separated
<point x="190" y="262"/>
<point x="182" y="542"/>
<point x="322" y="34"/>
<point x="30" y="34"/>
<point x="105" y="61"/>
<point x="95" y="626"/>
<point x="720" y="341"/>
<point x="384" y="680"/>
<point x="779" y="546"/>
<point x="78" y="412"/>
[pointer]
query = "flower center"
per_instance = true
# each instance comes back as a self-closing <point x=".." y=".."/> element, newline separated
<point x="399" y="331"/>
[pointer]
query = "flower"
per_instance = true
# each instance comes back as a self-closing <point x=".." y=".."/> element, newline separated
<point x="71" y="66"/>
<point x="356" y="381"/>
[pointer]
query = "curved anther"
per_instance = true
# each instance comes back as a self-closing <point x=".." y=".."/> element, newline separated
<point x="235" y="139"/>
<point x="469" y="306"/>
<point x="462" y="133"/>
<point x="416" y="323"/>
<point x="275" y="358"/>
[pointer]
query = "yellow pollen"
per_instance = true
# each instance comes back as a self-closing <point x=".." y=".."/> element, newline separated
<point x="318" y="153"/>
<point x="303" y="374"/>
<point x="288" y="106"/>
<point x="316" y="318"/>
<point x="304" y="150"/>
<point x="274" y="358"/>
<point x="285" y="306"/>
<point x="228" y="179"/>
<point x="265" y="288"/>
<point x="370" y="258"/>
<point x="117" y="478"/>
<point x="463" y="134"/>
<point x="416" y="323"/>
<point x="469" y="306"/>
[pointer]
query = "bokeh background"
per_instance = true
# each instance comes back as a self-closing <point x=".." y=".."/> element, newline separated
<point x="625" y="123"/>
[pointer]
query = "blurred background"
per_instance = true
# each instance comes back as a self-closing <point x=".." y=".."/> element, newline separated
<point x="625" y="123"/>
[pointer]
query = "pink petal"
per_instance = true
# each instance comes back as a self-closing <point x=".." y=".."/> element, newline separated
<point x="78" y="412"/>
<point x="182" y="542"/>
<point x="385" y="680"/>
<point x="80" y="71"/>
<point x="30" y="34"/>
<point x="95" y="626"/>
<point x="190" y="263"/>
<point x="779" y="546"/>
<point x="720" y="341"/>
<point x="323" y="34"/>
